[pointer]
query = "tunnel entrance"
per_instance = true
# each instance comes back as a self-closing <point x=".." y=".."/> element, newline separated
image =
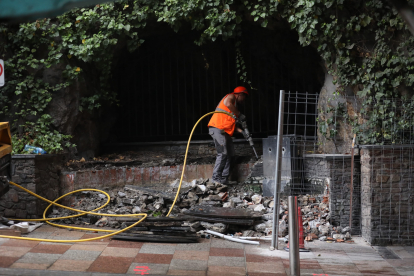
<point x="166" y="85"/>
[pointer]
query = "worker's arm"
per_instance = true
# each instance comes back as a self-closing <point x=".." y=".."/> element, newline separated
<point x="230" y="102"/>
<point x="239" y="130"/>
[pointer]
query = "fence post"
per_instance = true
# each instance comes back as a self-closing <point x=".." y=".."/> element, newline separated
<point x="278" y="174"/>
<point x="294" y="261"/>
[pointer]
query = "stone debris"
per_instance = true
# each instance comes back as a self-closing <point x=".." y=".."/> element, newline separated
<point x="316" y="217"/>
<point x="203" y="194"/>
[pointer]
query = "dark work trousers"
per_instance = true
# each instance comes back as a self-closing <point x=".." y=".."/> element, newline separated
<point x="225" y="153"/>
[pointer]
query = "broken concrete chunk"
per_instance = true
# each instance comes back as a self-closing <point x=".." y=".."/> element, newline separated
<point x="268" y="216"/>
<point x="229" y="204"/>
<point x="136" y="210"/>
<point x="211" y="203"/>
<point x="236" y="200"/>
<point x="324" y="229"/>
<point x="260" y="227"/>
<point x="218" y="227"/>
<point x="248" y="233"/>
<point x="201" y="188"/>
<point x="257" y="199"/>
<point x="338" y="236"/>
<point x="121" y="194"/>
<point x="192" y="195"/>
<point x="213" y="198"/>
<point x="210" y="186"/>
<point x="102" y="222"/>
<point x="128" y="201"/>
<point x="221" y="188"/>
<point x="259" y="208"/>
<point x="323" y="238"/>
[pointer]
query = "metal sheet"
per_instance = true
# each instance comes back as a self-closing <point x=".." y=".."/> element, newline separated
<point x="269" y="164"/>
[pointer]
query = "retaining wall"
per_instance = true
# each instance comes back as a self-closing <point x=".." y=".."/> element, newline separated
<point x="387" y="179"/>
<point x="333" y="171"/>
<point x="37" y="173"/>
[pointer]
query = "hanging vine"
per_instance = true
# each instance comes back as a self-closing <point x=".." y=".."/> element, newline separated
<point x="365" y="44"/>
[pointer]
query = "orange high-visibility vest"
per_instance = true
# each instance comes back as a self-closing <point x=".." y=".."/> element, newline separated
<point x="223" y="121"/>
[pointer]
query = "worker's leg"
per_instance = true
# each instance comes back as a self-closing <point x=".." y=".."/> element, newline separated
<point x="220" y="143"/>
<point x="230" y="156"/>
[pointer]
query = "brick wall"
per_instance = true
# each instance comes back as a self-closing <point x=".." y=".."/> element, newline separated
<point x="121" y="176"/>
<point x="387" y="178"/>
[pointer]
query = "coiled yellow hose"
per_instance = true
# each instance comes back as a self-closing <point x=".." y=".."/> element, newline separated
<point x="81" y="212"/>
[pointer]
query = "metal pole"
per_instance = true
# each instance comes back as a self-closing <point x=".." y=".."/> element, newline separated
<point x="278" y="174"/>
<point x="352" y="184"/>
<point x="294" y="261"/>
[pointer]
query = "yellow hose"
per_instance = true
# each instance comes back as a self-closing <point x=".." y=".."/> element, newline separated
<point x="81" y="212"/>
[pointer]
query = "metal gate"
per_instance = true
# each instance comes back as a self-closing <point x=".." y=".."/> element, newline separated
<point x="169" y="83"/>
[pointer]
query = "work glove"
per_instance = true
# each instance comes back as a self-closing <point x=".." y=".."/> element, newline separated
<point x="242" y="118"/>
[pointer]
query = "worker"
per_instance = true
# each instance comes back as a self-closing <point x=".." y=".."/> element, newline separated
<point x="221" y="129"/>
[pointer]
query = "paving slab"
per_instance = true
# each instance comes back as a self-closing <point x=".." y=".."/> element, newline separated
<point x="80" y="255"/>
<point x="151" y="269"/>
<point x="152" y="248"/>
<point x="194" y="246"/>
<point x="226" y="261"/>
<point x="213" y="256"/>
<point x="10" y="251"/>
<point x="71" y="265"/>
<point x="39" y="258"/>
<point x="197" y="265"/>
<point x="226" y="270"/>
<point x="191" y="255"/>
<point x="153" y="258"/>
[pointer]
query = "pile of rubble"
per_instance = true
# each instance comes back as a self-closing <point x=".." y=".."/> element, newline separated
<point x="316" y="217"/>
<point x="254" y="216"/>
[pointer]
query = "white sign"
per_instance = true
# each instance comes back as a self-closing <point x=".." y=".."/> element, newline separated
<point x="1" y="72"/>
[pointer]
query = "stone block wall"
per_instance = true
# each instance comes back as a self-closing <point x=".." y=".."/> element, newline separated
<point x="340" y="192"/>
<point x="37" y="173"/>
<point x="333" y="172"/>
<point x="387" y="182"/>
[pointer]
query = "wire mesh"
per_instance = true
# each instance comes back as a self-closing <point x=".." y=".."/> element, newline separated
<point x="381" y="171"/>
<point x="387" y="198"/>
<point x="311" y="172"/>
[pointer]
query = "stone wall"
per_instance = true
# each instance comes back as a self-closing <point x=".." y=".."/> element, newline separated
<point x="37" y="173"/>
<point x="333" y="171"/>
<point x="387" y="174"/>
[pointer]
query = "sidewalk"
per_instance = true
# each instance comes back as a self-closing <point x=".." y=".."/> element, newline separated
<point x="210" y="257"/>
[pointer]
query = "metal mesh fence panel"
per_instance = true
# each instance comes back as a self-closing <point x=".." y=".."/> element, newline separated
<point x="318" y="165"/>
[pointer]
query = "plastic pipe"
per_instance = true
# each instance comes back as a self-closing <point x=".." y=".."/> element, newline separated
<point x="231" y="238"/>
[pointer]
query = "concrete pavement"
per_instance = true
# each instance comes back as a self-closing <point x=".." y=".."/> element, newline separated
<point x="210" y="257"/>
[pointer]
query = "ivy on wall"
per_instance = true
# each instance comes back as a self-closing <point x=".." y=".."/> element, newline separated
<point x="365" y="46"/>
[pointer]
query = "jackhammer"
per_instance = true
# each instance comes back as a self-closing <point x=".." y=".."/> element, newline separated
<point x="247" y="136"/>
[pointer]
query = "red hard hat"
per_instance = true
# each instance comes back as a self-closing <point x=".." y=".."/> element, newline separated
<point x="240" y="89"/>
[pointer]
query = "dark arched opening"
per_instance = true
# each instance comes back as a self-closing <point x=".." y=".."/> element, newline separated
<point x="169" y="83"/>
